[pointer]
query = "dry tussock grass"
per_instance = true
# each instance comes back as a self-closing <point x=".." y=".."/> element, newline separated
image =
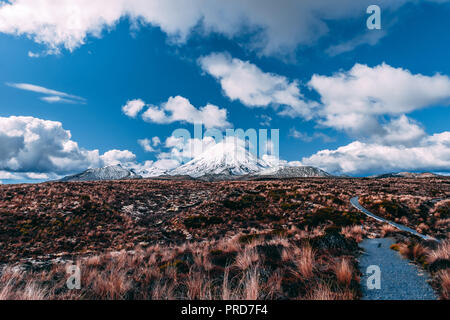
<point x="354" y="232"/>
<point x="444" y="280"/>
<point x="344" y="272"/>
<point x="226" y="269"/>
<point x="441" y="253"/>
<point x="438" y="261"/>
<point x="305" y="262"/>
<point x="387" y="230"/>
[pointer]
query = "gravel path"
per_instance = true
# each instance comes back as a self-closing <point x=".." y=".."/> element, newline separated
<point x="400" y="279"/>
<point x="355" y="202"/>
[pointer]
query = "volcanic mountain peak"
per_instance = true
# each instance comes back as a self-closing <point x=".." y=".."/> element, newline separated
<point x="227" y="158"/>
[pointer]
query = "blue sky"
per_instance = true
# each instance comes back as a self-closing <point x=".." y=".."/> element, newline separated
<point x="109" y="64"/>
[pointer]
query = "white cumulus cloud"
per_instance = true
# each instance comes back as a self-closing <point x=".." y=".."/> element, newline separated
<point x="400" y="131"/>
<point x="179" y="109"/>
<point x="36" y="146"/>
<point x="352" y="100"/>
<point x="146" y="145"/>
<point x="244" y="81"/>
<point x="431" y="153"/>
<point x="113" y="157"/>
<point x="133" y="107"/>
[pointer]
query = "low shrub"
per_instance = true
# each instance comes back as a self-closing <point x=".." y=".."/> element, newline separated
<point x="199" y="221"/>
<point x="338" y="218"/>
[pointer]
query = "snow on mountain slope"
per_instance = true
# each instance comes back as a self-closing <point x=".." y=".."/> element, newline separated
<point x="115" y="172"/>
<point x="226" y="158"/>
<point x="152" y="172"/>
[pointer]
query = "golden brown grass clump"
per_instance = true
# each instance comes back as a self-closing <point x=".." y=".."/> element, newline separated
<point x="443" y="277"/>
<point x="442" y="252"/>
<point x="387" y="230"/>
<point x="344" y="272"/>
<point x="438" y="261"/>
<point x="354" y="232"/>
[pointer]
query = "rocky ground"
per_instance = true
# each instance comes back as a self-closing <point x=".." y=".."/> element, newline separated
<point x="43" y="224"/>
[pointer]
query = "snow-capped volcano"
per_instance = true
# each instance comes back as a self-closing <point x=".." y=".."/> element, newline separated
<point x="226" y="158"/>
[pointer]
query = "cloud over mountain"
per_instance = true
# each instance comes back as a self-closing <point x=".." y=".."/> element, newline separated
<point x="32" y="145"/>
<point x="353" y="100"/>
<point x="431" y="153"/>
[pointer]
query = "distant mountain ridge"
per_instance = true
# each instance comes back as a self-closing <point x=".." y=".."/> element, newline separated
<point x="406" y="175"/>
<point x="285" y="172"/>
<point x="115" y="172"/>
